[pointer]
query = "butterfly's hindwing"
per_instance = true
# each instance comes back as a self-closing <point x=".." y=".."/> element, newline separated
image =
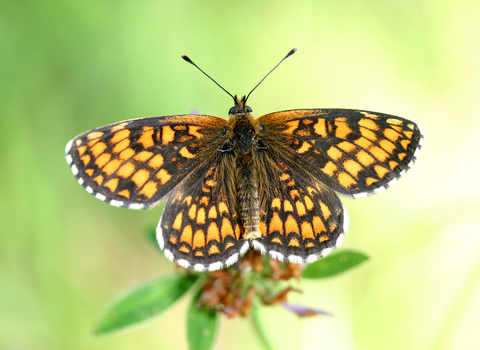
<point x="302" y="220"/>
<point x="137" y="162"/>
<point x="200" y="226"/>
<point x="355" y="153"/>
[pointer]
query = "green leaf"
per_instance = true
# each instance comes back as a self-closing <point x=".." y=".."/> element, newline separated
<point x="202" y="326"/>
<point x="144" y="301"/>
<point x="259" y="325"/>
<point x="334" y="264"/>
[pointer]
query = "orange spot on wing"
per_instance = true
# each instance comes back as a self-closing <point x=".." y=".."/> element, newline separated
<point x="307" y="230"/>
<point x="325" y="211"/>
<point x="222" y="207"/>
<point x="287" y="206"/>
<point x="367" y="133"/>
<point x="392" y="164"/>
<point x="391" y="134"/>
<point x="300" y="208"/>
<point x="363" y="143"/>
<point x="149" y="189"/>
<point x="334" y="153"/>
<point x="212" y="213"/>
<point x="121" y="146"/>
<point x="323" y="238"/>
<point x="227" y="229"/>
<point x="408" y="134"/>
<point x="305" y="147"/>
<point x="140" y="177"/>
<point x="168" y="135"/>
<point x="318" y="225"/>
<point x="320" y="128"/>
<point x="89" y="172"/>
<point x="143" y="156"/>
<point x="177" y="224"/>
<point x="124" y="193"/>
<point x="370" y="180"/>
<point x="394" y="121"/>
<point x="192" y="211"/>
<point x="294" y="242"/>
<point x="120" y="135"/>
<point x="291" y="225"/>
<point x="342" y="128"/>
<point x="85" y="159"/>
<point x="345" y="180"/>
<point x="156" y="162"/>
<point x="381" y="171"/>
<point x="98" y="148"/>
<point x="379" y="153"/>
<point x="112" y="166"/>
<point x="103" y="159"/>
<point x="94" y="135"/>
<point x="365" y="158"/>
<point x="112" y="184"/>
<point x="405" y="143"/>
<point x="213" y="250"/>
<point x="275" y="224"/>
<point x="346" y="146"/>
<point x="263" y="228"/>
<point x="193" y="130"/>
<point x="163" y="176"/>
<point x="352" y="167"/>
<point x="292" y="126"/>
<point x="126" y="170"/>
<point x="201" y="216"/>
<point x="99" y="179"/>
<point x="329" y="168"/>
<point x="146" y="138"/>
<point x="213" y="234"/>
<point x="119" y="126"/>
<point x="387" y="146"/>
<point x="184" y="249"/>
<point x="368" y="123"/>
<point x="81" y="150"/>
<point x="126" y="154"/>
<point x="308" y="203"/>
<point x="184" y="152"/>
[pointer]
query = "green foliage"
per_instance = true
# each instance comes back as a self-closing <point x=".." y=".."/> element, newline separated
<point x="202" y="326"/>
<point x="258" y="322"/>
<point x="155" y="296"/>
<point x="334" y="264"/>
<point x="144" y="301"/>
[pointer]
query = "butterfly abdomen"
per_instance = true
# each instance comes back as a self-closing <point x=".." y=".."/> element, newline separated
<point x="244" y="142"/>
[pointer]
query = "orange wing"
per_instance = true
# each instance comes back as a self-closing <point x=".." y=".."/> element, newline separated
<point x="135" y="163"/>
<point x="355" y="153"/>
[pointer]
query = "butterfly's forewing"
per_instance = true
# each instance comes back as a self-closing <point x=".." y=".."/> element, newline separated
<point x="355" y="153"/>
<point x="302" y="220"/>
<point x="200" y="227"/>
<point x="137" y="162"/>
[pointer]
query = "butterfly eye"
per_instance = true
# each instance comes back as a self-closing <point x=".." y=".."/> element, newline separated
<point x="232" y="110"/>
<point x="248" y="109"/>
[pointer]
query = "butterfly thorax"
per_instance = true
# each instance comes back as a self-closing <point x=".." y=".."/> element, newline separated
<point x="244" y="146"/>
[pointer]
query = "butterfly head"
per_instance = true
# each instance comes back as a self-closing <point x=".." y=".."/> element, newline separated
<point x="240" y="107"/>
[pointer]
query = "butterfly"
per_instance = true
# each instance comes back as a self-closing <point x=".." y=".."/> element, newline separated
<point x="269" y="183"/>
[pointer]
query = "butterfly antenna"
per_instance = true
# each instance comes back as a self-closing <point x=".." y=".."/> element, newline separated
<point x="185" y="57"/>
<point x="292" y="51"/>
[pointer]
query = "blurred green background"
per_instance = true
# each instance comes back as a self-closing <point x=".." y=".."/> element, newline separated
<point x="70" y="66"/>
